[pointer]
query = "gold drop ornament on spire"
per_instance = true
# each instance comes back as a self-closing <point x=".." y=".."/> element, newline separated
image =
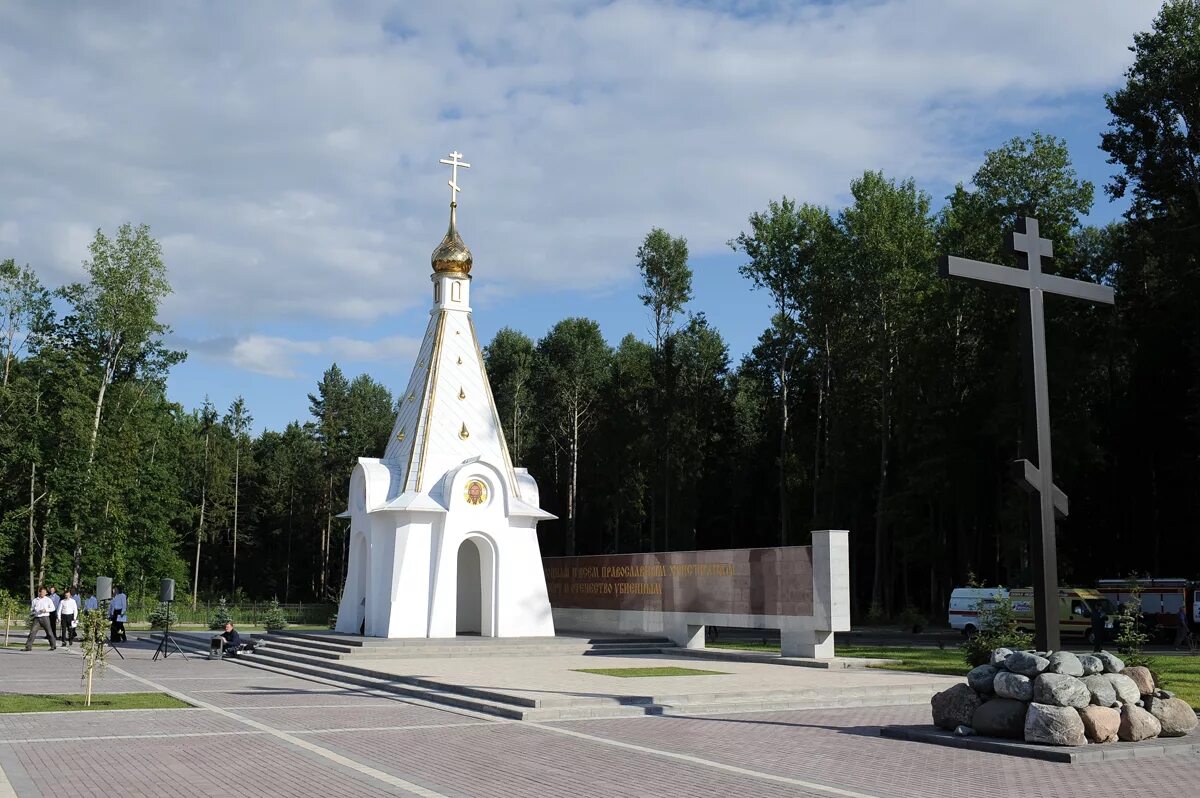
<point x="462" y="394"/>
<point x="400" y="436"/>
<point x="452" y="255"/>
<point x="464" y="433"/>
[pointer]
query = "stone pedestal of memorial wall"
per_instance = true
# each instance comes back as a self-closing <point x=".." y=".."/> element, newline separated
<point x="803" y="591"/>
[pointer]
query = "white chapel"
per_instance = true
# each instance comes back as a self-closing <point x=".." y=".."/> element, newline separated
<point x="443" y="527"/>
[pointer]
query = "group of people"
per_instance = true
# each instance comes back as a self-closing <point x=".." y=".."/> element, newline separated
<point x="58" y="616"/>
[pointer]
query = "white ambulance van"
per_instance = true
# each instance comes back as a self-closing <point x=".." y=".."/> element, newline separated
<point x="965" y="603"/>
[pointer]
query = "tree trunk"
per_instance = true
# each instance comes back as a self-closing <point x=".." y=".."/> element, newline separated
<point x="41" y="579"/>
<point x="109" y="370"/>
<point x="325" y="544"/>
<point x="783" y="436"/>
<point x="32" y="543"/>
<point x="885" y="421"/>
<point x="237" y="475"/>
<point x="200" y="529"/>
<point x="287" y="568"/>
<point x="573" y="485"/>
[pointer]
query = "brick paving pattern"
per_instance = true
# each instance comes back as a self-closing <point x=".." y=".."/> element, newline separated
<point x="269" y="734"/>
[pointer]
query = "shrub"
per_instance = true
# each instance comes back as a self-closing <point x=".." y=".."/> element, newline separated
<point x="160" y="615"/>
<point x="910" y="618"/>
<point x="220" y="616"/>
<point x="876" y="615"/>
<point x="274" y="618"/>
<point x="1131" y="633"/>
<point x="998" y="628"/>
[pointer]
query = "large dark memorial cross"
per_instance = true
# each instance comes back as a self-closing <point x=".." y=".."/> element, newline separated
<point x="1030" y="248"/>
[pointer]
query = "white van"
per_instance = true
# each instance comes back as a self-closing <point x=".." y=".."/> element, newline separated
<point x="965" y="604"/>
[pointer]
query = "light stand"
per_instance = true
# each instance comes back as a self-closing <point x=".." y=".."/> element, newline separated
<point x="108" y="640"/>
<point x="164" y="645"/>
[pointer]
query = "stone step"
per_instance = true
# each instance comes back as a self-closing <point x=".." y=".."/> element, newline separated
<point x="832" y="700"/>
<point x="405" y="687"/>
<point x="623" y="651"/>
<point x="517" y="707"/>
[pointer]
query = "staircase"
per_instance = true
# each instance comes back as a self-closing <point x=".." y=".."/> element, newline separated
<point x="351" y="661"/>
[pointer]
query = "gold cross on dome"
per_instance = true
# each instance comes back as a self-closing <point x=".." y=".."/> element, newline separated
<point x="454" y="162"/>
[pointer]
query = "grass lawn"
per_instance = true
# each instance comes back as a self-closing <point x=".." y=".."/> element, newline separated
<point x="1179" y="674"/>
<point x="626" y="673"/>
<point x="20" y="702"/>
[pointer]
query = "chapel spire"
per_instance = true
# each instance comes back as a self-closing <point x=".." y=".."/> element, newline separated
<point x="452" y="255"/>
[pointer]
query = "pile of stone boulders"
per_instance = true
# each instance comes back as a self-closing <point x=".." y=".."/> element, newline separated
<point x="1060" y="698"/>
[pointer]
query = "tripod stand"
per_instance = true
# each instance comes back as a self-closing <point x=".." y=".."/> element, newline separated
<point x="167" y="643"/>
<point x="108" y="614"/>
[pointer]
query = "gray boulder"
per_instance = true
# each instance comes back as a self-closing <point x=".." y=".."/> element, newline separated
<point x="1000" y="717"/>
<point x="1026" y="664"/>
<point x="1102" y="690"/>
<point x="1013" y="685"/>
<point x="1141" y="677"/>
<point x="1127" y="689"/>
<point x="1111" y="663"/>
<point x="1061" y="691"/>
<point x="1100" y="723"/>
<point x="1051" y="725"/>
<point x="998" y="656"/>
<point x="1175" y="716"/>
<point x="1137" y="724"/>
<point x="1091" y="664"/>
<point x="954" y="707"/>
<point x="1066" y="663"/>
<point x="981" y="678"/>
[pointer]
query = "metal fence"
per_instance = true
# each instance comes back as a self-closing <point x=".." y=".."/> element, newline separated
<point x="245" y="613"/>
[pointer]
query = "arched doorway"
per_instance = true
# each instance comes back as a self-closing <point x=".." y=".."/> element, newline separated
<point x="475" y="613"/>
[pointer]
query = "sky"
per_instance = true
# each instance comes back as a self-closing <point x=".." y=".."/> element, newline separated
<point x="286" y="154"/>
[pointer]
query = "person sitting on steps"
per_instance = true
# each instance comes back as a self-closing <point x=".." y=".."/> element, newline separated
<point x="234" y="644"/>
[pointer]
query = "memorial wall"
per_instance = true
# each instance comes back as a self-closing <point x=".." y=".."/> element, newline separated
<point x="803" y="591"/>
<point x="774" y="581"/>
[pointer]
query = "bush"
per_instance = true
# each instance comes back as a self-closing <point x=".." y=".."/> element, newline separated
<point x="220" y="616"/>
<point x="876" y="615"/>
<point x="274" y="618"/>
<point x="910" y="618"/>
<point x="998" y="628"/>
<point x="161" y="615"/>
<point x="1131" y="632"/>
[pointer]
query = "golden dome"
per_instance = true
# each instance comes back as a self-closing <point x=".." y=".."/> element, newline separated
<point x="452" y="254"/>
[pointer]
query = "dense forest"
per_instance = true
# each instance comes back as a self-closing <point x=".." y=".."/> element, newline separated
<point x="880" y="398"/>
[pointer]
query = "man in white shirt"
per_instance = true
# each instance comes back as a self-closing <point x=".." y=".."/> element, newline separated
<point x="42" y="608"/>
<point x="54" y="597"/>
<point x="116" y="614"/>
<point x="68" y="610"/>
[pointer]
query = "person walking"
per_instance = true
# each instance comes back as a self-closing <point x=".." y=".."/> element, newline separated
<point x="42" y="608"/>
<point x="1182" y="633"/>
<point x="1098" y="618"/>
<point x="68" y="613"/>
<point x="116" y="614"/>
<point x="54" y="597"/>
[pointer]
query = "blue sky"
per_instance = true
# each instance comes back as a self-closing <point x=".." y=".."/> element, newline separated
<point x="286" y="154"/>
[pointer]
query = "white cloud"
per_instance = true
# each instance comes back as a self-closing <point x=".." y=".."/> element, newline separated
<point x="277" y="356"/>
<point x="287" y="155"/>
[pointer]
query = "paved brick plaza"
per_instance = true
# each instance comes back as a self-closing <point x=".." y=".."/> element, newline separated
<point x="259" y="733"/>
